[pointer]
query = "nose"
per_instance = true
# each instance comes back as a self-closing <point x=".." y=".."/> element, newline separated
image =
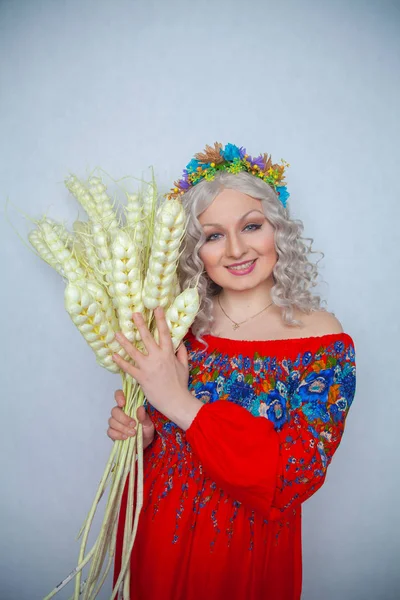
<point x="235" y="246"/>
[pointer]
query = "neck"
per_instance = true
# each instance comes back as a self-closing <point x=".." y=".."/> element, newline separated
<point x="241" y="303"/>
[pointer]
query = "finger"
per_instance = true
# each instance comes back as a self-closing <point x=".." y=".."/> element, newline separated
<point x="119" y="415"/>
<point x="146" y="337"/>
<point x="143" y="417"/>
<point x="119" y="398"/>
<point x="127" y="367"/>
<point x="133" y="352"/>
<point x="182" y="355"/>
<point x="116" y="435"/>
<point x="164" y="333"/>
<point x="116" y="426"/>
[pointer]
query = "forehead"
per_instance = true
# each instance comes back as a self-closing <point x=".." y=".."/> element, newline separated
<point x="229" y="205"/>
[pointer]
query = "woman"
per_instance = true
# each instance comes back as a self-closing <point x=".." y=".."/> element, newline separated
<point x="243" y="422"/>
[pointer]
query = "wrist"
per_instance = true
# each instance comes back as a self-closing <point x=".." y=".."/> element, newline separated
<point x="183" y="410"/>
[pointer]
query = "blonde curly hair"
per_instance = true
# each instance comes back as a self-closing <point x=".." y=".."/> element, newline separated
<point x="294" y="274"/>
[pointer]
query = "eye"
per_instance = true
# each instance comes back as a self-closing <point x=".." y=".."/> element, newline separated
<point x="211" y="237"/>
<point x="252" y="227"/>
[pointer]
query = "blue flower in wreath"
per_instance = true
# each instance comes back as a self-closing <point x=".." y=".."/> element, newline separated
<point x="207" y="392"/>
<point x="277" y="411"/>
<point x="316" y="386"/>
<point x="192" y="166"/>
<point x="230" y="152"/>
<point x="283" y="194"/>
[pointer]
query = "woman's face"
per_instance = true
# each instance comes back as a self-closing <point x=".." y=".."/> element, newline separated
<point x="239" y="251"/>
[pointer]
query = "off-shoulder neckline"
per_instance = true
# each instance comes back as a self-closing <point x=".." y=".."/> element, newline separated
<point x="278" y="346"/>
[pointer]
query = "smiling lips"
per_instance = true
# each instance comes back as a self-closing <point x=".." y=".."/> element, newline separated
<point x="242" y="268"/>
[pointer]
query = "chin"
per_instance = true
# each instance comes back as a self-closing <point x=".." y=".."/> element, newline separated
<point x="241" y="283"/>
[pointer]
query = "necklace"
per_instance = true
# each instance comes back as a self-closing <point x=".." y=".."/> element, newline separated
<point x="237" y="325"/>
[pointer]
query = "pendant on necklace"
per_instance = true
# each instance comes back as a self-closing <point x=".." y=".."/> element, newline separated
<point x="235" y="326"/>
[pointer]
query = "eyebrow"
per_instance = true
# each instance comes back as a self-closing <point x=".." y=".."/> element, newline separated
<point x="241" y="218"/>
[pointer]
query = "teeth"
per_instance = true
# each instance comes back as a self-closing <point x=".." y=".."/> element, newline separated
<point x="242" y="267"/>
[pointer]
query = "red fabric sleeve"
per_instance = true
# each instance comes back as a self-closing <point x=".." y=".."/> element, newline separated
<point x="274" y="470"/>
<point x="232" y="445"/>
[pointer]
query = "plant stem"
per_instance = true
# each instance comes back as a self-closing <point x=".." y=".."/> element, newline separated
<point x="77" y="569"/>
<point x="139" y="503"/>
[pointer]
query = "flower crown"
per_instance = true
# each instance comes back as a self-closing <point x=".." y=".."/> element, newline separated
<point x="205" y="165"/>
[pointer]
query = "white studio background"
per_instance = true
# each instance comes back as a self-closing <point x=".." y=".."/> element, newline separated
<point x="125" y="85"/>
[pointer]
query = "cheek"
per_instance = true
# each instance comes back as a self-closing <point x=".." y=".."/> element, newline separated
<point x="207" y="256"/>
<point x="268" y="249"/>
<point x="266" y="245"/>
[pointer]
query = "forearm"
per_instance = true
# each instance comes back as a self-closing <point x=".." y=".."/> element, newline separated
<point x="183" y="409"/>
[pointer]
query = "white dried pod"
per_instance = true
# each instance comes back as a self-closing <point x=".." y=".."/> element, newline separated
<point x="181" y="314"/>
<point x="62" y="254"/>
<point x="93" y="198"/>
<point x="102" y="247"/>
<point x="36" y="239"/>
<point x="126" y="275"/>
<point x="78" y="245"/>
<point x="62" y="232"/>
<point x="135" y="219"/>
<point x="160" y="278"/>
<point x="99" y="327"/>
<point x="81" y="193"/>
<point x="104" y="205"/>
<point x="149" y="205"/>
<point x="86" y="251"/>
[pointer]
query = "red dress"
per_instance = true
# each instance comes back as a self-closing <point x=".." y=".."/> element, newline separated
<point x="222" y="501"/>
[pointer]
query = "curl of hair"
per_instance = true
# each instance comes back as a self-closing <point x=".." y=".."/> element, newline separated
<point x="294" y="274"/>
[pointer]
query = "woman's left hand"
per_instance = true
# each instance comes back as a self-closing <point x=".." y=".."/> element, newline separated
<point x="162" y="375"/>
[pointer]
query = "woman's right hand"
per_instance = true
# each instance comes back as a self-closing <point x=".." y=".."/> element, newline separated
<point x="121" y="426"/>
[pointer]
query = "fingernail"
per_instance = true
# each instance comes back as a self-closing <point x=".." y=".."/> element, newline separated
<point x="118" y="336"/>
<point x="131" y="431"/>
<point x="132" y="423"/>
<point x="124" y="437"/>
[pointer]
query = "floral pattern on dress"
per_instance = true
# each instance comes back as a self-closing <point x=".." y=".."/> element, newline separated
<point x="305" y="394"/>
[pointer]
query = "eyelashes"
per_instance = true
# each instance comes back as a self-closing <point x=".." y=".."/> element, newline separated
<point x="249" y="227"/>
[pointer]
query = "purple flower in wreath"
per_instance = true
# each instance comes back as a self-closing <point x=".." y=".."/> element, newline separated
<point x="183" y="184"/>
<point x="277" y="410"/>
<point x="259" y="161"/>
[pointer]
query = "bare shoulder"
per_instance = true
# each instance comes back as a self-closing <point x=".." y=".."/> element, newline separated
<point x="320" y="322"/>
